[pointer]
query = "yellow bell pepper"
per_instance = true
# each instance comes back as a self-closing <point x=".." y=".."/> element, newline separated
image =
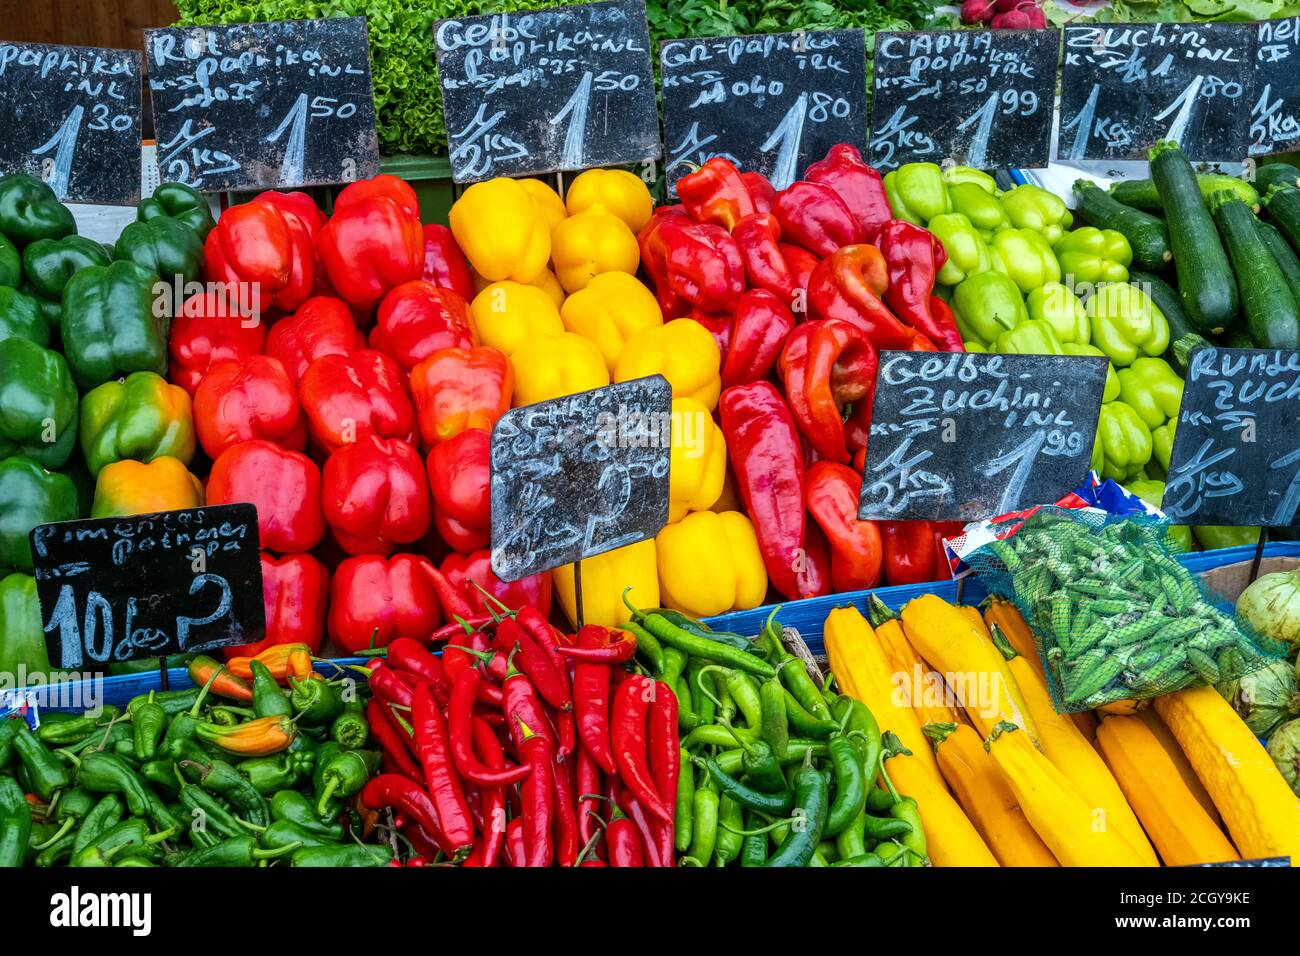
<point x="548" y="366"/>
<point x="612" y="308"/>
<point x="616" y="191"/>
<point x="549" y="203"/>
<point x="682" y="351"/>
<point x="698" y="461"/>
<point x="506" y="313"/>
<point x="547" y="282"/>
<point x="501" y="230"/>
<point x="604" y="578"/>
<point x="588" y="245"/>
<point x="134" y="488"/>
<point x="709" y="563"/>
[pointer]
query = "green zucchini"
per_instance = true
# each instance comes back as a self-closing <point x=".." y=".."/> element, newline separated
<point x="1182" y="337"/>
<point x="1148" y="236"/>
<point x="1237" y="338"/>
<point x="1143" y="194"/>
<point x="1283" y="255"/>
<point x="1272" y="315"/>
<point x="1282" y="203"/>
<point x="1276" y="174"/>
<point x="1205" y="280"/>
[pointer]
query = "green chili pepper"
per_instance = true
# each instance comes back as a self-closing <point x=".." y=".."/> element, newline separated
<point x="704" y="832"/>
<point x="699" y="629"/>
<point x="342" y="856"/>
<point x="131" y="837"/>
<point x="239" y="851"/>
<point x="316" y="702"/>
<point x="852" y="840"/>
<point x="207" y="814"/>
<point x="811" y="798"/>
<point x="293" y="806"/>
<point x="850" y="786"/>
<point x="45" y="771"/>
<point x="172" y="702"/>
<point x="751" y="798"/>
<point x="775" y="725"/>
<point x="106" y="813"/>
<point x="796" y="677"/>
<point x="753" y="849"/>
<point x="15" y="823"/>
<point x="61" y="733"/>
<point x="804" y="723"/>
<point x="905" y="810"/>
<point x="109" y="773"/>
<point x="703" y="693"/>
<point x="148" y="723"/>
<point x="286" y="833"/>
<point x="674" y="663"/>
<point x="647" y="645"/>
<point x="731" y="819"/>
<point x="864" y="859"/>
<point x="221" y="778"/>
<point x="268" y="699"/>
<point x="682" y="821"/>
<point x="691" y="644"/>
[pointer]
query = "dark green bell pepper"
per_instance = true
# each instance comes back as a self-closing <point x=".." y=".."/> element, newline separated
<point x="29" y="210"/>
<point x="11" y="263"/>
<point x="39" y="403"/>
<point x="166" y="247"/>
<point x="30" y="495"/>
<point x="48" y="264"/>
<point x="21" y="317"/>
<point x="180" y="202"/>
<point x="112" y="324"/>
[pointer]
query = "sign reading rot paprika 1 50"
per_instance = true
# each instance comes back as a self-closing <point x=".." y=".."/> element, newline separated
<point x="117" y="589"/>
<point x="581" y="475"/>
<point x="964" y="437"/>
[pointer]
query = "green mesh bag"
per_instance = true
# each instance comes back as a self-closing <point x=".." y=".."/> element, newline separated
<point x="1114" y="614"/>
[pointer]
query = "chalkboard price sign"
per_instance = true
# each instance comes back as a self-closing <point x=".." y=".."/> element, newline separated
<point x="547" y="90"/>
<point x="772" y="104"/>
<point x="980" y="98"/>
<point x="71" y="117"/>
<point x="580" y="475"/>
<point x="1236" y="454"/>
<point x="1275" y="113"/>
<point x="961" y="436"/>
<point x="263" y="105"/>
<point x="117" y="589"/>
<point x="1124" y="86"/>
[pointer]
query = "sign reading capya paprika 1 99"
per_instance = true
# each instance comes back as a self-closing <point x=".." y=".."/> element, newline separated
<point x="263" y="105"/>
<point x="174" y="582"/>
<point x="1236" y="453"/>
<point x="547" y="90"/>
<point x="581" y="475"/>
<point x="962" y="437"/>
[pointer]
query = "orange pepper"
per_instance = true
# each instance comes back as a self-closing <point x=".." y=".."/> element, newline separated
<point x="253" y="738"/>
<point x="282" y="660"/>
<point x="227" y="683"/>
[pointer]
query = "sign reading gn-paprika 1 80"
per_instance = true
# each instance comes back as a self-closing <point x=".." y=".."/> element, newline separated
<point x="117" y="589"/>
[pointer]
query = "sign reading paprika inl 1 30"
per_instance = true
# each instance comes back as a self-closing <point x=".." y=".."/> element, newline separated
<point x="581" y="475"/>
<point x="1124" y="86"/>
<point x="117" y="589"/>
<point x="1236" y="454"/>
<point x="770" y="104"/>
<point x="980" y="98"/>
<point x="547" y="90"/>
<point x="263" y="105"/>
<point x="961" y="436"/>
<point x="71" y="117"/>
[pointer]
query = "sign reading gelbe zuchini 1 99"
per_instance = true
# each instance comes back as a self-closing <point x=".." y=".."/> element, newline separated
<point x="980" y="98"/>
<point x="580" y="475"/>
<point x="770" y="104"/>
<point x="1125" y="86"/>
<point x="1236" y="454"/>
<point x="71" y="117"/>
<point x="174" y="582"/>
<point x="263" y="105"/>
<point x="547" y="90"/>
<point x="961" y="436"/>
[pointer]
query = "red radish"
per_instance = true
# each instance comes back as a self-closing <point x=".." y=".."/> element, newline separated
<point x="977" y="11"/>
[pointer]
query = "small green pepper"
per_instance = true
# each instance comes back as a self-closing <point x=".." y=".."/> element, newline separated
<point x="811" y="798"/>
<point x="15" y="823"/>
<point x="221" y="778"/>
<point x="316" y="702"/>
<point x="350" y="730"/>
<point x="106" y="814"/>
<point x="268" y="699"/>
<point x="350" y="855"/>
<point x="46" y="772"/>
<point x="148" y="723"/>
<point x="283" y="833"/>
<point x="238" y="851"/>
<point x="293" y="806"/>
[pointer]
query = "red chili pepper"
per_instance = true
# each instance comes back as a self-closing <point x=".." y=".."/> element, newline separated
<point x="394" y="790"/>
<point x="760" y="327"/>
<point x="460" y="723"/>
<point x="433" y="748"/>
<point x="631" y="707"/>
<point x="591" y="706"/>
<point x="587" y="773"/>
<point x="487" y="748"/>
<point x="566" y="732"/>
<point x="567" y="843"/>
<point x="848" y="285"/>
<point x="552" y="682"/>
<point x="624" y="841"/>
<point x="387" y="685"/>
<point x="516" y="847"/>
<point x="393" y="740"/>
<point x="665" y="761"/>
<point x="520" y="703"/>
<point x="860" y="186"/>
<point x="644" y="829"/>
<point x="423" y="843"/>
<point x="453" y="605"/>
<point x="457" y="629"/>
<point x="407" y="654"/>
<point x="538" y="793"/>
<point x="942" y="313"/>
<point x="716" y="194"/>
<point x="914" y="257"/>
<point x="416" y="861"/>
<point x="493" y="661"/>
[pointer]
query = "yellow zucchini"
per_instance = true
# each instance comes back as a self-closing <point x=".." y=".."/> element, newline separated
<point x="1261" y="812"/>
<point x="930" y="695"/>
<point x="986" y="798"/>
<point x="1061" y="816"/>
<point x="1157" y="726"/>
<point x="1182" y="831"/>
<point x="945" y="637"/>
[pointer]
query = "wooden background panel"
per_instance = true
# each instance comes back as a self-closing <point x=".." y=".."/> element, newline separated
<point x="106" y="23"/>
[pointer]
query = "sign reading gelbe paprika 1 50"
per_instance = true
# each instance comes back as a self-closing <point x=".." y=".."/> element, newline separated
<point x="580" y="475"/>
<point x="962" y="436"/>
<point x="1236" y="452"/>
<point x="547" y="90"/>
<point x="174" y="582"/>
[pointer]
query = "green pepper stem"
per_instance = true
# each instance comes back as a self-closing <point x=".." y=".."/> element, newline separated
<point x="203" y="694"/>
<point x="327" y="794"/>
<point x="58" y="835"/>
<point x="637" y="614"/>
<point x="285" y="850"/>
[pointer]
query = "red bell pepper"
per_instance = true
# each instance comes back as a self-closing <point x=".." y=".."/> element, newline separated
<point x="294" y="591"/>
<point x="322" y="326"/>
<point x="304" y="220"/>
<point x="210" y="329"/>
<point x="444" y="264"/>
<point x="466" y="570"/>
<point x="857" y="184"/>
<point x="716" y="194"/>
<point x="375" y="495"/>
<point x="386" y="185"/>
<point x="460" y="477"/>
<point x="250" y="398"/>
<point x="459" y="536"/>
<point x="760" y="191"/>
<point x="913" y="258"/>
<point x="813" y="215"/>
<point x="251" y="252"/>
<point x="759" y="239"/>
<point x="767" y="460"/>
<point x="758" y="332"/>
<point x="369" y="246"/>
<point x="856" y="551"/>
<point x="827" y="364"/>
<point x="654" y="260"/>
<point x="848" y="286"/>
<point x="347" y="396"/>
<point x="375" y="599"/>
<point x="457" y="388"/>
<point x="913" y="550"/>
<point x="285" y="486"/>
<point x="703" y="264"/>
<point x="417" y="319"/>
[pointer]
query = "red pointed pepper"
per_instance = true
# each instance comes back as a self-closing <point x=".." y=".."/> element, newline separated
<point x="665" y="760"/>
<point x="433" y="748"/>
<point x="460" y="724"/>
<point x="857" y="184"/>
<point x="813" y="215"/>
<point x="654" y="260"/>
<point x="826" y="364"/>
<point x="628" y="736"/>
<point x="716" y="194"/>
<point x="759" y="329"/>
<point x="913" y="257"/>
<point x="489" y="751"/>
<point x="848" y="286"/>
<point x="760" y="191"/>
<point x="856" y="549"/>
<point x="374" y="495"/>
<point x="538" y="795"/>
<point x="703" y="264"/>
<point x="591" y="701"/>
<point x="759" y="239"/>
<point x="404" y="794"/>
